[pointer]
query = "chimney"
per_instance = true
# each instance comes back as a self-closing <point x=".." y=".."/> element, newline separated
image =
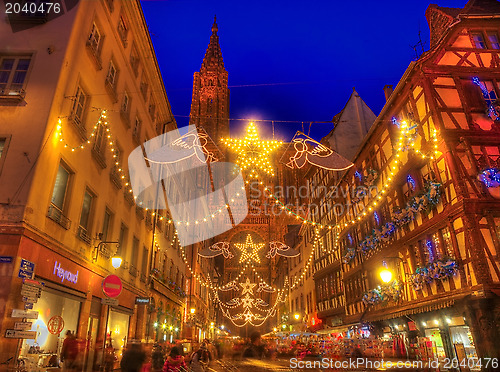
<point x="388" y="91"/>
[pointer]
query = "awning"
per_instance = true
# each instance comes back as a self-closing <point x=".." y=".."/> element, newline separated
<point x="423" y="307"/>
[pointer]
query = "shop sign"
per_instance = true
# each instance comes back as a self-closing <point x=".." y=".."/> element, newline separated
<point x="15" y="333"/>
<point x="55" y="325"/>
<point x="6" y="259"/>
<point x="412" y="326"/>
<point x="26" y="269"/>
<point x="32" y="283"/>
<point x="110" y="301"/>
<point x="142" y="300"/>
<point x="65" y="274"/>
<point x="18" y="313"/>
<point x="32" y="300"/>
<point x="22" y="326"/>
<point x="112" y="286"/>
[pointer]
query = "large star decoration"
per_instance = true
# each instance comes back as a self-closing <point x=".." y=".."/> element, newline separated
<point x="247" y="301"/>
<point x="247" y="287"/>
<point x="249" y="250"/>
<point x="253" y="153"/>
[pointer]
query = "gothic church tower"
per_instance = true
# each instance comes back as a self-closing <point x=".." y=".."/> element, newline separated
<point x="210" y="102"/>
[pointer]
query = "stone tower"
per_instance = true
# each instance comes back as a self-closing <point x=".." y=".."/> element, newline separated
<point x="210" y="102"/>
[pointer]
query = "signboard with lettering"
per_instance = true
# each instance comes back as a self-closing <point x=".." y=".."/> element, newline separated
<point x="28" y="306"/>
<point x="6" y="259"/>
<point x="18" y="313"/>
<point x="23" y="326"/>
<point x="32" y="283"/>
<point x="110" y="301"/>
<point x="142" y="300"/>
<point x="64" y="274"/>
<point x="15" y="333"/>
<point x="26" y="269"/>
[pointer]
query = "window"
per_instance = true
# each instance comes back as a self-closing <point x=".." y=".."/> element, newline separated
<point x="79" y="106"/>
<point x="123" y="30"/>
<point x="111" y="78"/>
<point x="60" y="188"/>
<point x="3" y="141"/>
<point x="135" y="251"/>
<point x="144" y="260"/>
<point x="110" y="4"/>
<point x="493" y="38"/>
<point x="125" y="103"/>
<point x="448" y="245"/>
<point x="134" y="60"/>
<point x="13" y="71"/>
<point x="106" y="225"/>
<point x="478" y="39"/>
<point x="122" y="241"/>
<point x="88" y="199"/>
<point x="152" y="108"/>
<point x="94" y="41"/>
<point x="99" y="138"/>
<point x="144" y="88"/>
<point x="136" y="131"/>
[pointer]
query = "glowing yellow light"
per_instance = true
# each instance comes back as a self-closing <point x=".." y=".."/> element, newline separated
<point x="385" y="275"/>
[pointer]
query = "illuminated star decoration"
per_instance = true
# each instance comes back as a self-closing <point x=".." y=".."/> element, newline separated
<point x="253" y="153"/>
<point x="247" y="301"/>
<point x="249" y="250"/>
<point x="247" y="287"/>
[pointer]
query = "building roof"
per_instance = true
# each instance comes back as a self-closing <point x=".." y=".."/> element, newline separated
<point x="213" y="55"/>
<point x="480" y="7"/>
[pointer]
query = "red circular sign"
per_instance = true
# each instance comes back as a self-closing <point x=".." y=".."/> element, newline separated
<point x="55" y="325"/>
<point x="112" y="286"/>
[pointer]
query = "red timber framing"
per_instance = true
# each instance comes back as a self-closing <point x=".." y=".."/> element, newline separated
<point x="437" y="92"/>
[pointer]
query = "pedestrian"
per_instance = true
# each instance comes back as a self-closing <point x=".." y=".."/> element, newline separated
<point x="157" y="359"/>
<point x="133" y="358"/>
<point x="256" y="349"/>
<point x="200" y="359"/>
<point x="109" y="357"/>
<point x="69" y="352"/>
<point x="175" y="361"/>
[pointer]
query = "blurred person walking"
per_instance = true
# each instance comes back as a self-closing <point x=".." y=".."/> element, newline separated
<point x="175" y="361"/>
<point x="133" y="358"/>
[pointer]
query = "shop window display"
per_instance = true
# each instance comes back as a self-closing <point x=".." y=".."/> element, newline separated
<point x="40" y="350"/>
<point x="118" y="331"/>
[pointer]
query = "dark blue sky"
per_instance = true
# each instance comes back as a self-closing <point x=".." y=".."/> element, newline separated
<point x="303" y="57"/>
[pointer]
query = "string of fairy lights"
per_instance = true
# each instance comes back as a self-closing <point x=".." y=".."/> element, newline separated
<point x="254" y="156"/>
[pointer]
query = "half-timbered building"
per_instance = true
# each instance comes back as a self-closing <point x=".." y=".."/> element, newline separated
<point x="413" y="248"/>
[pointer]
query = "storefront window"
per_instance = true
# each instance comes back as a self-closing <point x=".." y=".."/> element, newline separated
<point x="118" y="329"/>
<point x="46" y="344"/>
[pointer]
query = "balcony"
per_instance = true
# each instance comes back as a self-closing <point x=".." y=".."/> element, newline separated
<point x="79" y="126"/>
<point x="111" y="89"/>
<point x="115" y="177"/>
<point x="125" y="116"/>
<point x="98" y="155"/>
<point x="12" y="96"/>
<point x="139" y="212"/>
<point x="132" y="270"/>
<point x="129" y="197"/>
<point x="57" y="216"/>
<point x="95" y="54"/>
<point x="84" y="235"/>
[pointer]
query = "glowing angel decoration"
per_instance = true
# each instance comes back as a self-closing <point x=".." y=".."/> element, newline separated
<point x="281" y="249"/>
<point x="216" y="250"/>
<point x="307" y="150"/>
<point x="193" y="143"/>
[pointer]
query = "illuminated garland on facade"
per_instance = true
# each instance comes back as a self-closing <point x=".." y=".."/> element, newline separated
<point x="440" y="269"/>
<point x="382" y="294"/>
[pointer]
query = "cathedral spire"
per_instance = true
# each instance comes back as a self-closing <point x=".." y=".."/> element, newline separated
<point x="213" y="56"/>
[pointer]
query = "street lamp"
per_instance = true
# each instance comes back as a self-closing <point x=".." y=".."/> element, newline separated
<point x="116" y="262"/>
<point x="296" y="316"/>
<point x="385" y="275"/>
<point x="192" y="310"/>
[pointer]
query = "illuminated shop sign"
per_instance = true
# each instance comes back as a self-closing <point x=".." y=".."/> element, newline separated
<point x="65" y="274"/>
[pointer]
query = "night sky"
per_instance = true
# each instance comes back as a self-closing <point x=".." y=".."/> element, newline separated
<point x="289" y="60"/>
